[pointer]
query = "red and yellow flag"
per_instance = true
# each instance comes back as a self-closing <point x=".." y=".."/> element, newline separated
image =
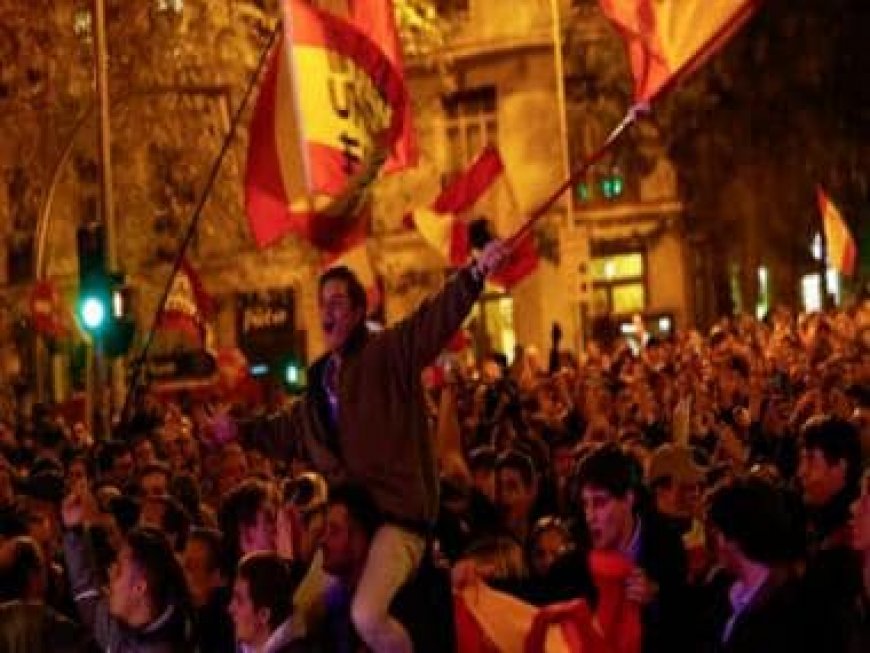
<point x="332" y="105"/>
<point x="840" y="246"/>
<point x="444" y="223"/>
<point x="668" y="39"/>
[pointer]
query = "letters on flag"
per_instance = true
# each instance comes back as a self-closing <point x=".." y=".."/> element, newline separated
<point x="331" y="106"/>
<point x="840" y="246"/>
<point x="668" y="39"/>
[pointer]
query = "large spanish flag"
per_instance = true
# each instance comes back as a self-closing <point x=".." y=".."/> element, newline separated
<point x="841" y="248"/>
<point x="332" y="105"/>
<point x="668" y="39"/>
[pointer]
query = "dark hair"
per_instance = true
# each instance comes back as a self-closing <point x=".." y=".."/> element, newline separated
<point x="185" y="488"/>
<point x="838" y="440"/>
<point x="109" y="452"/>
<point x="175" y="522"/>
<point x="611" y="469"/>
<point x="270" y="584"/>
<point x="213" y="540"/>
<point x="482" y="458"/>
<point x="520" y="463"/>
<point x="355" y="290"/>
<point x="361" y="507"/>
<point x="166" y="582"/>
<point x="156" y="468"/>
<point x="25" y="561"/>
<point x="239" y="508"/>
<point x="758" y="517"/>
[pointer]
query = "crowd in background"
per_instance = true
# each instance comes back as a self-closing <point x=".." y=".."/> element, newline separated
<point x="721" y="477"/>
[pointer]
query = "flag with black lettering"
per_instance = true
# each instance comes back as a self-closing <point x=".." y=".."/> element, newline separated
<point x="331" y="109"/>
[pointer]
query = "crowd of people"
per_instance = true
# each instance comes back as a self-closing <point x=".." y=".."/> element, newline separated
<point x="696" y="493"/>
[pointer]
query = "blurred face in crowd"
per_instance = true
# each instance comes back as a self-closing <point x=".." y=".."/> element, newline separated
<point x="563" y="463"/>
<point x="127" y="587"/>
<point x="344" y="545"/>
<point x="122" y="467"/>
<point x="515" y="497"/>
<point x="144" y="454"/>
<point x="313" y="528"/>
<point x="154" y="484"/>
<point x="261" y="534"/>
<point x="43" y="524"/>
<point x="338" y="316"/>
<point x="610" y="518"/>
<point x="678" y="498"/>
<point x="201" y="572"/>
<point x="820" y="479"/>
<point x="79" y="435"/>
<point x="77" y="473"/>
<point x="548" y="545"/>
<point x="860" y="523"/>
<point x="251" y="623"/>
<point x="233" y="468"/>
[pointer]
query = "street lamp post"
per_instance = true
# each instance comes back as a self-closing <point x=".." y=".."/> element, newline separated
<point x="108" y="377"/>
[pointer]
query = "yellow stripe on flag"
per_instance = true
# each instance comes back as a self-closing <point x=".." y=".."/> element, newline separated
<point x="841" y="248"/>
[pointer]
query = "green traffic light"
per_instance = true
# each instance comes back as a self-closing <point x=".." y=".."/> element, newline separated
<point x="292" y="374"/>
<point x="93" y="313"/>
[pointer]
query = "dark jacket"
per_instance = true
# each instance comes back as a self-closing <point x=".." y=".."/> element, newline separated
<point x="171" y="632"/>
<point x="32" y="627"/>
<point x="832" y="581"/>
<point x="770" y="623"/>
<point x="213" y="625"/>
<point x="382" y="440"/>
<point x="663" y="559"/>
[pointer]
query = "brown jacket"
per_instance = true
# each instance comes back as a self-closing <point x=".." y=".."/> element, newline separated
<point x="382" y="439"/>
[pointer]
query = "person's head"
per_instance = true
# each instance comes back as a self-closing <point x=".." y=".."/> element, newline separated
<point x="516" y="484"/>
<point x="497" y="558"/>
<point x="861" y="518"/>
<point x="167" y="515"/>
<point x="351" y="521"/>
<point x="262" y="597"/>
<point x="752" y="520"/>
<point x="608" y="481"/>
<point x="562" y="459"/>
<point x="145" y="579"/>
<point x="22" y="570"/>
<point x="481" y="462"/>
<point x="154" y="480"/>
<point x="78" y="471"/>
<point x="247" y="519"/>
<point x="342" y="305"/>
<point x="202" y="563"/>
<point x="549" y="540"/>
<point x="830" y="459"/>
<point x="675" y="480"/>
<point x="144" y="452"/>
<point x="307" y="494"/>
<point x="233" y="467"/>
<point x="116" y="463"/>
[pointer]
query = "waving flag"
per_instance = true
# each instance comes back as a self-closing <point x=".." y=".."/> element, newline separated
<point x="188" y="306"/>
<point x="332" y="105"/>
<point x="668" y="39"/>
<point x="841" y="248"/>
<point x="444" y="223"/>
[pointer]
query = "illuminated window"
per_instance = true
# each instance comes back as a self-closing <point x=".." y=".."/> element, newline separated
<point x="491" y="323"/>
<point x="618" y="284"/>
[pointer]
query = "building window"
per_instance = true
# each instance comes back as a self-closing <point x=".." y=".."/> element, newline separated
<point x="471" y="124"/>
<point x="453" y="8"/>
<point x="618" y="283"/>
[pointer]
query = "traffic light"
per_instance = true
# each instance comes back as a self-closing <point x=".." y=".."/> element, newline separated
<point x="294" y="376"/>
<point x="103" y="301"/>
<point x="612" y="185"/>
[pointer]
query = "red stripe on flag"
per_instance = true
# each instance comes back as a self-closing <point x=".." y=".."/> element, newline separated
<point x="266" y="201"/>
<point x="522" y="262"/>
<point x="465" y="190"/>
<point x="377" y="18"/>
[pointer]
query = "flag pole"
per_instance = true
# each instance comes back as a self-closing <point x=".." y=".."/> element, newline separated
<point x="139" y="364"/>
<point x="576" y="174"/>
